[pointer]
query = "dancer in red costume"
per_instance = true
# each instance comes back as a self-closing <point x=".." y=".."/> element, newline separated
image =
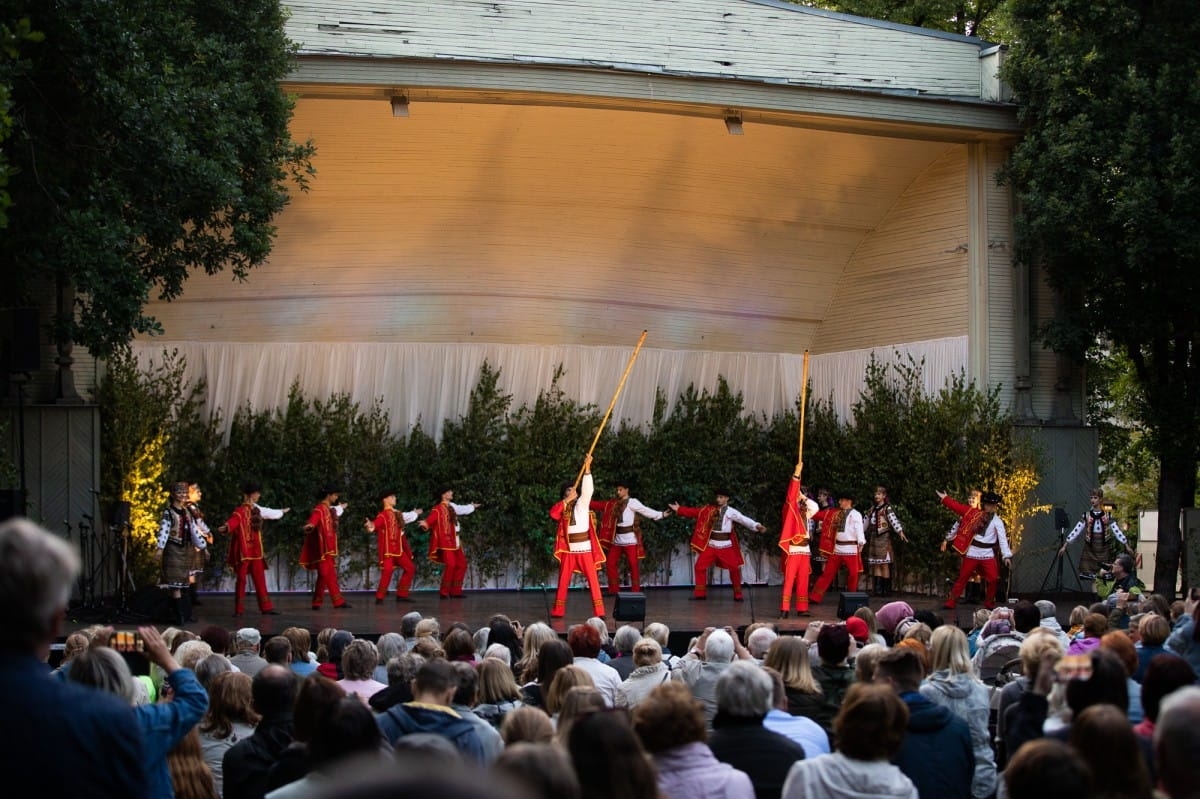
<point x="246" y="548"/>
<point x="842" y="541"/>
<point x="445" y="542"/>
<point x="793" y="540"/>
<point x="621" y="534"/>
<point x="715" y="541"/>
<point x="394" y="551"/>
<point x="576" y="544"/>
<point x="320" y="550"/>
<point x="981" y="539"/>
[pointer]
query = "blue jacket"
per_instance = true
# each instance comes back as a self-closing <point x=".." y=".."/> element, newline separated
<point x="937" y="754"/>
<point x="166" y="723"/>
<point x="65" y="737"/>
<point x="400" y="720"/>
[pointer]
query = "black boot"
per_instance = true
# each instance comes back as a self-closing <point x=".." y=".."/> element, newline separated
<point x="193" y="597"/>
<point x="185" y="609"/>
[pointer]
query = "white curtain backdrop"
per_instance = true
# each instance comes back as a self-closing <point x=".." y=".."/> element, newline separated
<point x="430" y="383"/>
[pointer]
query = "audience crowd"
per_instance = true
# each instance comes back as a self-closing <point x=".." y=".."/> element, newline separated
<point x="886" y="704"/>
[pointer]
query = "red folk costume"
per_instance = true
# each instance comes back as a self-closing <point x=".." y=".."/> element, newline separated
<point x="983" y="542"/>
<point x="716" y="544"/>
<point x="445" y="546"/>
<point x="621" y="537"/>
<point x="577" y="548"/>
<point x="793" y="540"/>
<point x="246" y="553"/>
<point x="841" y="542"/>
<point x="320" y="553"/>
<point x="394" y="551"/>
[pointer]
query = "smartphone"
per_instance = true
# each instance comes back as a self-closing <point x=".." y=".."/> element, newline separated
<point x="127" y="641"/>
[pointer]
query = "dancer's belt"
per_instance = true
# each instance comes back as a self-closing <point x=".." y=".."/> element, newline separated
<point x="976" y="542"/>
<point x="721" y="536"/>
<point x="577" y="538"/>
<point x="621" y="529"/>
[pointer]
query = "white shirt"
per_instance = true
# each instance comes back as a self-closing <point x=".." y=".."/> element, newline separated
<point x="995" y="530"/>
<point x="459" y="510"/>
<point x="269" y="513"/>
<point x="849" y="540"/>
<point x="606" y="678"/>
<point x="626" y="520"/>
<point x="1086" y="520"/>
<point x="581" y="520"/>
<point x="810" y="507"/>
<point x="727" y="519"/>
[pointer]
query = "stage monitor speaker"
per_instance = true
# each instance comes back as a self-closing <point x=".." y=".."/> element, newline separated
<point x="22" y="349"/>
<point x="12" y="503"/>
<point x="851" y="601"/>
<point x="630" y="606"/>
<point x="119" y="513"/>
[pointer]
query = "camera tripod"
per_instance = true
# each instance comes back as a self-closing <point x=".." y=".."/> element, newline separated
<point x="1061" y="520"/>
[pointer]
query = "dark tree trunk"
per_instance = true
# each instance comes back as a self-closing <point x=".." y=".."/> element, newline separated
<point x="1176" y="490"/>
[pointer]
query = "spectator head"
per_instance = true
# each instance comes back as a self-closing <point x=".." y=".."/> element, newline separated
<point x="301" y="641"/>
<point x="318" y="694"/>
<point x="979" y="618"/>
<point x="865" y="660"/>
<point x="498" y="652"/>
<point x="659" y="632"/>
<point x="1026" y="616"/>
<point x="247" y="640"/>
<point x="901" y="668"/>
<point x="552" y="656"/>
<point x="428" y="628"/>
<point x="1046" y="609"/>
<point x="871" y="723"/>
<point x="625" y="638"/>
<point x="278" y="650"/>
<point x="468" y="684"/>
<point x="789" y="656"/>
<point x="428" y="648"/>
<point x="75" y="643"/>
<point x="609" y="759"/>
<point x="1095" y="625"/>
<point x="207" y="669"/>
<point x="526" y="724"/>
<point x="230" y="701"/>
<point x="1165" y="674"/>
<point x="501" y="631"/>
<point x="778" y="689"/>
<point x="1078" y="614"/>
<point x="390" y="645"/>
<point x="744" y="691"/>
<point x="868" y="616"/>
<point x="1177" y="743"/>
<point x="858" y="630"/>
<point x="584" y="641"/>
<point x="1154" y="630"/>
<point x="538" y="771"/>
<point x="217" y="638"/>
<point x="892" y="614"/>
<point x="459" y="645"/>
<point x="359" y="659"/>
<point x="565" y="679"/>
<point x="496" y="683"/>
<point x="536" y="634"/>
<point x="1047" y="767"/>
<point x="104" y="669"/>
<point x="403" y="669"/>
<point x="948" y="650"/>
<point x="759" y="641"/>
<point x="37" y="571"/>
<point x="323" y="639"/>
<point x="668" y="718"/>
<point x="1119" y="644"/>
<point x="408" y="624"/>
<point x="929" y="619"/>
<point x="833" y="643"/>
<point x="190" y="653"/>
<point x="1103" y="735"/>
<point x="273" y="690"/>
<point x="427" y="750"/>
<point x="646" y="652"/>
<point x="1034" y="647"/>
<point x="577" y="702"/>
<point x="719" y="647"/>
<point x="436" y="682"/>
<point x="601" y="628"/>
<point x="337" y="647"/>
<point x="1107" y="683"/>
<point x="348" y="728"/>
<point x="480" y="640"/>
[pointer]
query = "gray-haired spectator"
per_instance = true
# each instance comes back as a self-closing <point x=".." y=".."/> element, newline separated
<point x="388" y="646"/>
<point x="1177" y="743"/>
<point x="662" y="633"/>
<point x="745" y="695"/>
<point x="499" y="652"/>
<point x="704" y="664"/>
<point x="210" y="667"/>
<point x="759" y="641"/>
<point x="408" y="627"/>
<point x="358" y="664"/>
<point x="82" y="741"/>
<point x="1049" y="621"/>
<point x="247" y="660"/>
<point x="625" y="638"/>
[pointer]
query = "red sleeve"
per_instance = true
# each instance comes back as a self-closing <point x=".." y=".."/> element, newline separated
<point x="955" y="506"/>
<point x="556" y="511"/>
<point x="690" y="513"/>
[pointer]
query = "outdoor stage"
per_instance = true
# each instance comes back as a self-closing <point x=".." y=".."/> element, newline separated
<point x="670" y="606"/>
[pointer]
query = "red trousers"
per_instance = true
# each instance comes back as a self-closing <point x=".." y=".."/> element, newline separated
<point x="455" y="562"/>
<point x="988" y="569"/>
<point x="327" y="581"/>
<point x="796" y="571"/>
<point x="259" y="575"/>
<point x="570" y="563"/>
<point x="724" y="558"/>
<point x="613" y="566"/>
<point x="853" y="564"/>
<point x="388" y="567"/>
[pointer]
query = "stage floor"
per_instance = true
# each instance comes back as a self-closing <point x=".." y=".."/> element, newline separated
<point x="670" y="606"/>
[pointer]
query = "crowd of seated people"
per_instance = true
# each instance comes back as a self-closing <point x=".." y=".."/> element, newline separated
<point x="884" y="704"/>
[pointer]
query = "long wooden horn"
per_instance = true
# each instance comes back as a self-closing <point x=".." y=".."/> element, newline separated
<point x="613" y="403"/>
<point x="803" y="405"/>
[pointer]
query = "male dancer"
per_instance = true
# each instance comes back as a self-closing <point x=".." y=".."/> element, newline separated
<point x="980" y="538"/>
<point x="621" y="534"/>
<point x="793" y="540"/>
<point x="177" y="535"/>
<point x="715" y="541"/>
<point x="881" y="523"/>
<point x="246" y="548"/>
<point x="320" y="550"/>
<point x="1100" y="529"/>
<point x="842" y="542"/>
<point x="445" y="542"/>
<point x="394" y="551"/>
<point x="576" y="544"/>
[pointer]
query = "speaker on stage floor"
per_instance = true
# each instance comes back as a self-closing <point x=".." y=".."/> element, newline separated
<point x="851" y="601"/>
<point x="630" y="606"/>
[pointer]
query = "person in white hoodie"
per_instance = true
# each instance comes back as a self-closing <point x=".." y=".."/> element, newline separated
<point x="869" y="729"/>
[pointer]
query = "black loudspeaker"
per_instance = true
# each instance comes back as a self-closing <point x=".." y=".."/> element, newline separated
<point x="849" y="602"/>
<point x="630" y="607"/>
<point x="1061" y="520"/>
<point x="21" y="351"/>
<point x="12" y="503"/>
<point x="118" y="513"/>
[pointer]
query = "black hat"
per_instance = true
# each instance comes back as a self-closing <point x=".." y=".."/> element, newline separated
<point x="624" y="482"/>
<point x="990" y="498"/>
<point x="385" y="493"/>
<point x="327" y="489"/>
<point x="845" y="495"/>
<point x="249" y="487"/>
<point x="441" y="492"/>
<point x="723" y="492"/>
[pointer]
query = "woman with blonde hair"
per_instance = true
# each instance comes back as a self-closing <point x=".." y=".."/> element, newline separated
<point x="952" y="683"/>
<point x="498" y="693"/>
<point x="579" y="701"/>
<point x="230" y="718"/>
<point x="536" y="634"/>
<point x="788" y="655"/>
<point x="191" y="777"/>
<point x="526" y="724"/>
<point x="867" y="615"/>
<point x="648" y="673"/>
<point x="565" y="679"/>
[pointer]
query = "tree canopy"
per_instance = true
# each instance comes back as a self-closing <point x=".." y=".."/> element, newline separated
<point x="987" y="19"/>
<point x="1108" y="94"/>
<point x="150" y="138"/>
